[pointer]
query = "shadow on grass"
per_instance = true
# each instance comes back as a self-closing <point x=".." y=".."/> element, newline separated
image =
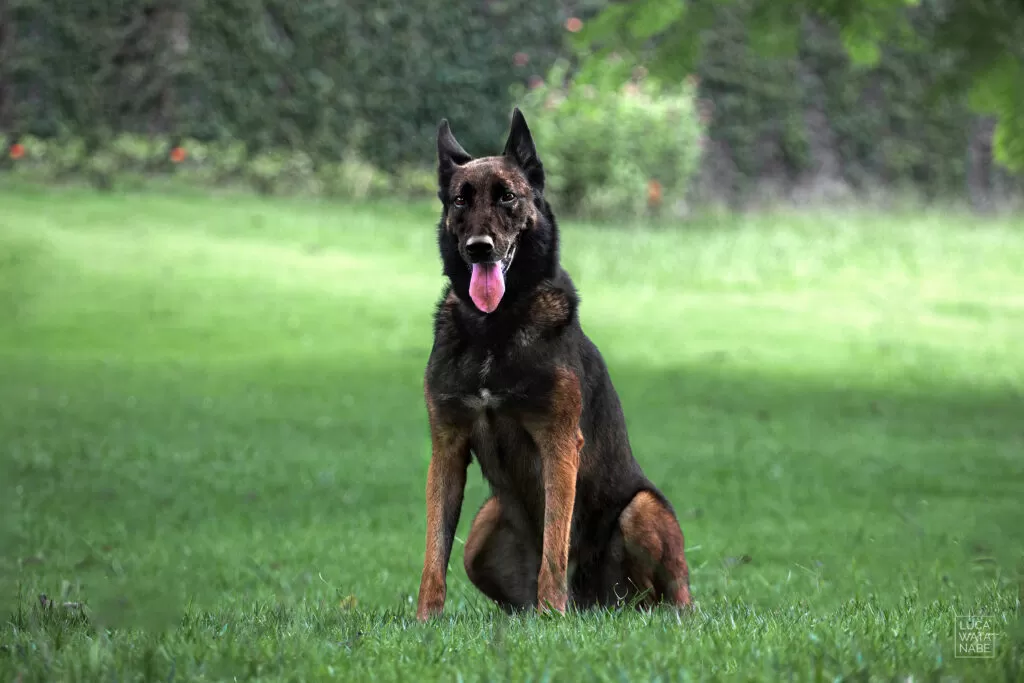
<point x="209" y="462"/>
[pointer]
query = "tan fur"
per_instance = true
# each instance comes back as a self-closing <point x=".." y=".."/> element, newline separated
<point x="549" y="309"/>
<point x="654" y="543"/>
<point x="560" y="441"/>
<point x="446" y="481"/>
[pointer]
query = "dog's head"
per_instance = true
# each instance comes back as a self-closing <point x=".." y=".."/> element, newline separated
<point x="495" y="223"/>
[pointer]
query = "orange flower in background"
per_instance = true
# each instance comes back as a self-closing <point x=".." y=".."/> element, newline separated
<point x="17" y="150"/>
<point x="573" y="24"/>
<point x="178" y="154"/>
<point x="653" y="192"/>
<point x="521" y="59"/>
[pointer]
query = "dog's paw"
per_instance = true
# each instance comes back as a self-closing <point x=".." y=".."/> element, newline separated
<point x="431" y="602"/>
<point x="552" y="605"/>
<point x="427" y="612"/>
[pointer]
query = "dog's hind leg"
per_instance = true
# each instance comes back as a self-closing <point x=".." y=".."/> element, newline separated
<point x="653" y="544"/>
<point x="500" y="561"/>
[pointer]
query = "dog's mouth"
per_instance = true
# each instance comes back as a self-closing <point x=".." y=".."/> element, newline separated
<point x="487" y="281"/>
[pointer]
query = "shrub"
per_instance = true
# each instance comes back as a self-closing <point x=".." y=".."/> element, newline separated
<point x="353" y="178"/>
<point x="416" y="182"/>
<point x="614" y="145"/>
<point x="128" y="160"/>
<point x="280" y="171"/>
<point x="258" y="72"/>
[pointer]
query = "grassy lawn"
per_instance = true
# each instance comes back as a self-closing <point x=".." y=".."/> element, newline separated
<point x="213" y="436"/>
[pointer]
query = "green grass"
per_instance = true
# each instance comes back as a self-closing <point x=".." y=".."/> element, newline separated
<point x="213" y="436"/>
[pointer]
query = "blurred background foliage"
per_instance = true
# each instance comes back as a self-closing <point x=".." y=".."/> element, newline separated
<point x="615" y="142"/>
<point x="342" y="98"/>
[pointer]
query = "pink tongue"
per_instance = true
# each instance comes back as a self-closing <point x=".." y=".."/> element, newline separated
<point x="486" y="286"/>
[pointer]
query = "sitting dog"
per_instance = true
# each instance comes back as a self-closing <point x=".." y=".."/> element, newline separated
<point x="513" y="380"/>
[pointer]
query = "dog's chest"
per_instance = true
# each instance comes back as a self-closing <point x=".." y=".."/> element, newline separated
<point x="493" y="394"/>
<point x="508" y="456"/>
<point x="482" y="392"/>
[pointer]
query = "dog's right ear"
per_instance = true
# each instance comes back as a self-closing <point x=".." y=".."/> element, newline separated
<point x="449" y="154"/>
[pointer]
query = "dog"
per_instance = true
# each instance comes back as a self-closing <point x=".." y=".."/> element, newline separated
<point x="513" y="381"/>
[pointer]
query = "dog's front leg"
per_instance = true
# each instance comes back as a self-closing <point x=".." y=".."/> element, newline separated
<point x="446" y="482"/>
<point x="560" y="441"/>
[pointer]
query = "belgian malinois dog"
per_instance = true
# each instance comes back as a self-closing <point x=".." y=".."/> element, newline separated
<point x="512" y="380"/>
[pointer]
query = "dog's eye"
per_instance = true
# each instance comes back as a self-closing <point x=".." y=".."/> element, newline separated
<point x="507" y="197"/>
<point x="459" y="200"/>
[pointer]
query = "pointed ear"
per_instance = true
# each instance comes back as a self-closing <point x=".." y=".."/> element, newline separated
<point x="449" y="154"/>
<point x="520" y="148"/>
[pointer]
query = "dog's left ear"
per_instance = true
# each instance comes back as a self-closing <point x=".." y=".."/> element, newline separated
<point x="520" y="148"/>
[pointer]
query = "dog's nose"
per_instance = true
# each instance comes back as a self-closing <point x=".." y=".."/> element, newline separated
<point x="480" y="248"/>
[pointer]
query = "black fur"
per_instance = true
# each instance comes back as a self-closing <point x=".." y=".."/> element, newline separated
<point x="513" y="355"/>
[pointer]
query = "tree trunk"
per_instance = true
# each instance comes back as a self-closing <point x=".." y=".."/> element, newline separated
<point x="979" y="164"/>
<point x="6" y="75"/>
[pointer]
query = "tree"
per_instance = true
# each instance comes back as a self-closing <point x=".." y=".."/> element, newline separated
<point x="978" y="44"/>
